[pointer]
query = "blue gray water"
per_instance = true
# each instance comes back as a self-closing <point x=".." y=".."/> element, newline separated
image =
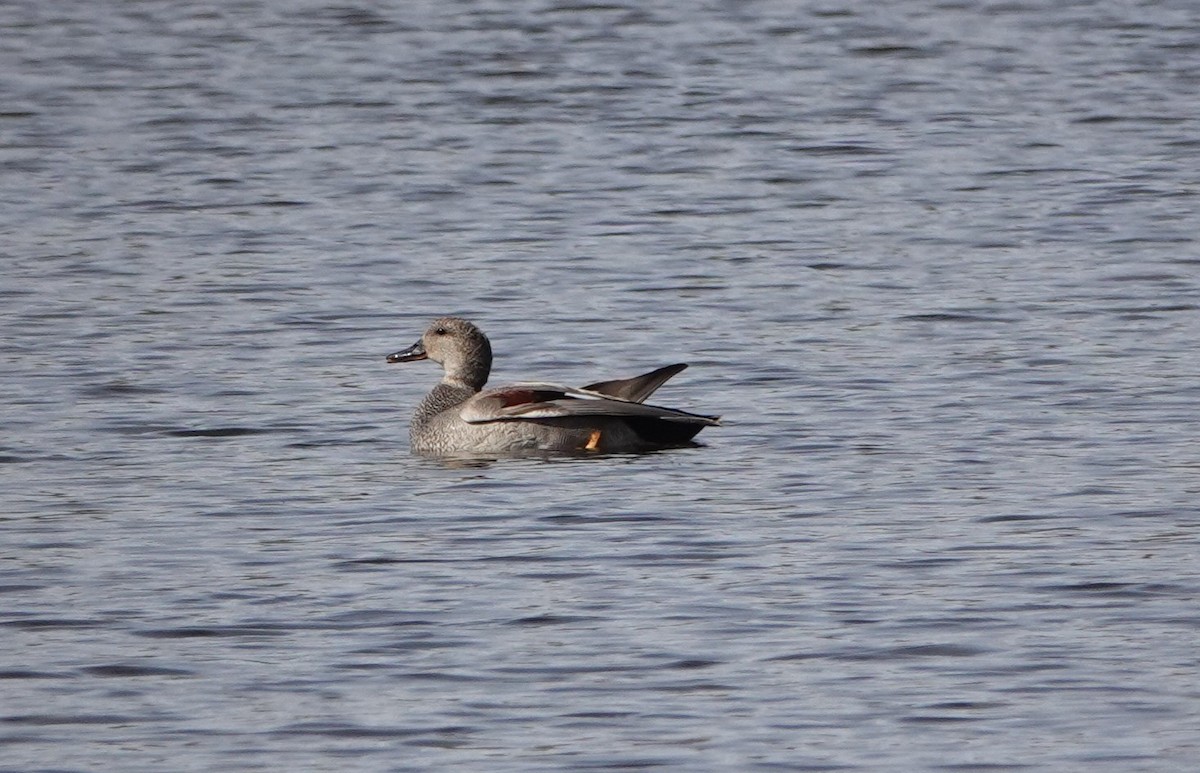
<point x="935" y="263"/>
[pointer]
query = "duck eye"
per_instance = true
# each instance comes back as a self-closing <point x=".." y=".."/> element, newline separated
<point x="441" y="331"/>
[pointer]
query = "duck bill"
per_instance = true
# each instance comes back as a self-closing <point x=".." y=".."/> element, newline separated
<point x="414" y="352"/>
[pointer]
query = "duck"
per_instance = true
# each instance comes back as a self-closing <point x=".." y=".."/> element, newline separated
<point x="460" y="417"/>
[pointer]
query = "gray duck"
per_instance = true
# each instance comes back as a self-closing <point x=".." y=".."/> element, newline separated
<point x="460" y="417"/>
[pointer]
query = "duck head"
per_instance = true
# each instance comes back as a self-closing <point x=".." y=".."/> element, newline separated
<point x="462" y="349"/>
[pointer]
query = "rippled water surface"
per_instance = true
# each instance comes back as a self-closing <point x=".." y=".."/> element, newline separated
<point x="935" y="263"/>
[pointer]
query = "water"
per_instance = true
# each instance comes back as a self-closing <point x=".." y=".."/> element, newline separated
<point x="936" y="264"/>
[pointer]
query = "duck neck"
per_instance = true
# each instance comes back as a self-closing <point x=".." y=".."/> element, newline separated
<point x="466" y="378"/>
<point x="471" y="367"/>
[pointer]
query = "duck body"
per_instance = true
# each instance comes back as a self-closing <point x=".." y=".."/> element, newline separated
<point x="460" y="417"/>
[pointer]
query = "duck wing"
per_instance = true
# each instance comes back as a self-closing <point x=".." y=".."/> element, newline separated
<point x="554" y="401"/>
<point x="638" y="388"/>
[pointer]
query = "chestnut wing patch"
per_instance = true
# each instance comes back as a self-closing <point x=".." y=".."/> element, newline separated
<point x="514" y="396"/>
<point x="510" y="402"/>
